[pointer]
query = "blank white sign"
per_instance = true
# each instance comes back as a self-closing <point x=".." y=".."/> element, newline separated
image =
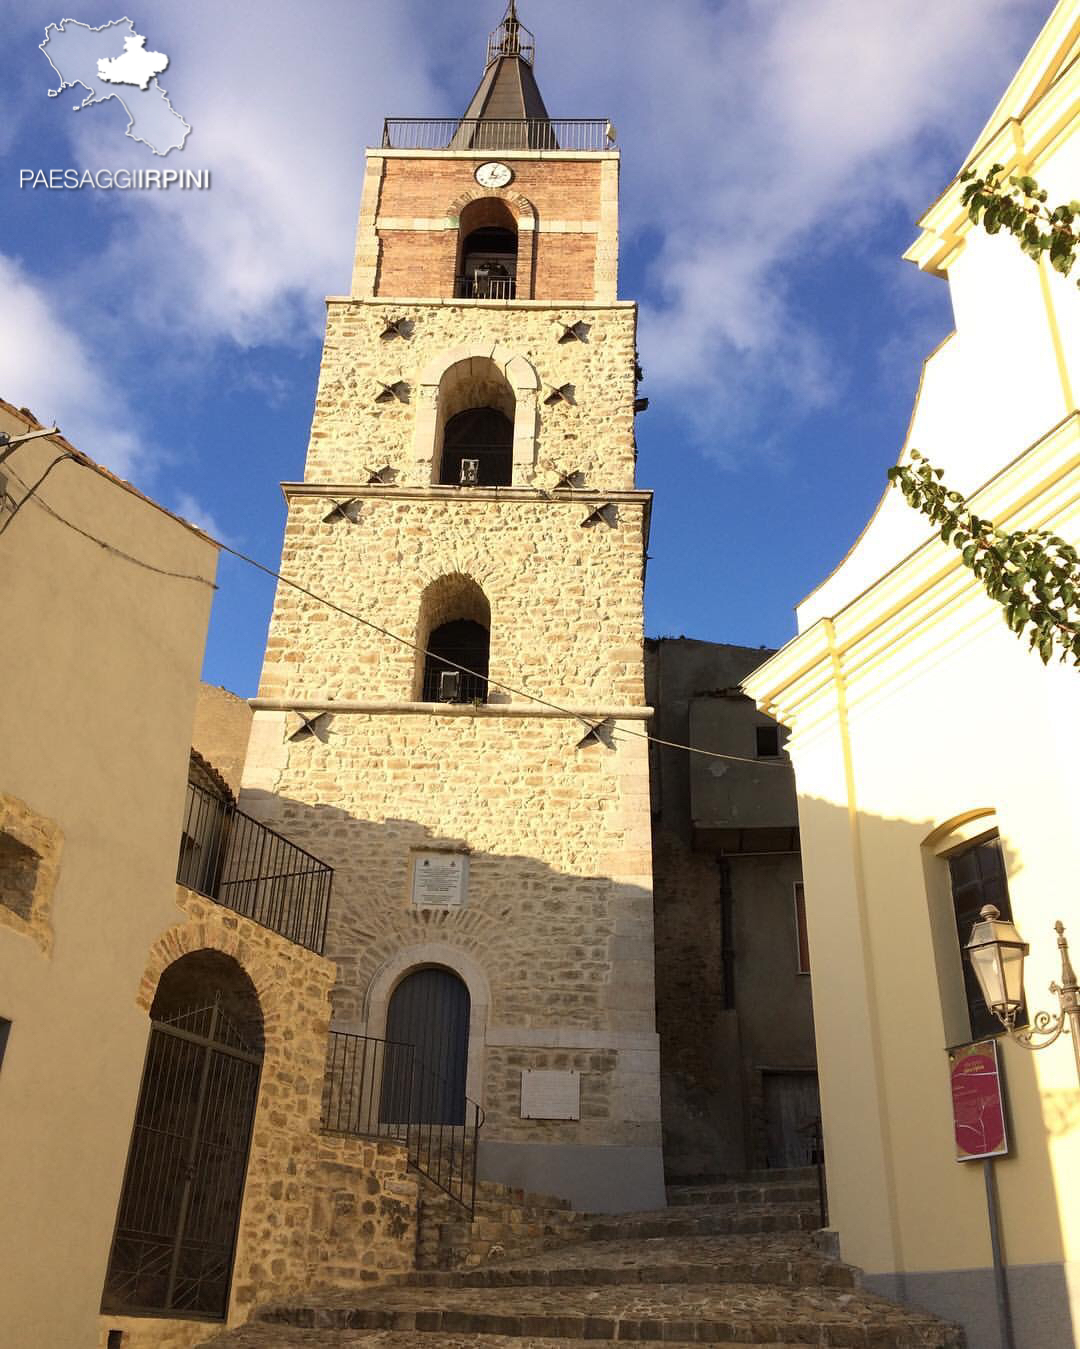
<point x="550" y="1094"/>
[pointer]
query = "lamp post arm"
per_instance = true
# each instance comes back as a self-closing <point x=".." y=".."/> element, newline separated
<point x="1049" y="1027"/>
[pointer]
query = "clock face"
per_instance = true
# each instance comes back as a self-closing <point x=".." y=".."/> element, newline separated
<point x="494" y="174"/>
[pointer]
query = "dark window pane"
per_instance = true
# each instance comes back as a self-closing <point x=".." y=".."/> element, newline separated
<point x="768" y="742"/>
<point x="483" y="434"/>
<point x="978" y="878"/>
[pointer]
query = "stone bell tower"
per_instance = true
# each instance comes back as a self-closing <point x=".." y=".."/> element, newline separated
<point x="482" y="789"/>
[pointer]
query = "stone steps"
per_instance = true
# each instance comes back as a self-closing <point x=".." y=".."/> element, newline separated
<point x="288" y="1337"/>
<point x="792" y="1261"/>
<point x="742" y="1313"/>
<point x="704" y="1220"/>
<point x="741" y="1192"/>
<point x="736" y="1263"/>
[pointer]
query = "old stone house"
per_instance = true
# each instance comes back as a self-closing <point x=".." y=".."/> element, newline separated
<point x="738" y="1077"/>
<point x="162" y="1011"/>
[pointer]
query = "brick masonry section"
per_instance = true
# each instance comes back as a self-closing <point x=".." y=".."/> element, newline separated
<point x="579" y="196"/>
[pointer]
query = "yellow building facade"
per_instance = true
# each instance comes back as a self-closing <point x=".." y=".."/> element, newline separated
<point x="926" y="738"/>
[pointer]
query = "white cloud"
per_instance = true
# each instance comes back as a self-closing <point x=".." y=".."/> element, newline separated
<point x="757" y="135"/>
<point x="45" y="366"/>
<point x="281" y="103"/>
<point x="191" y="509"/>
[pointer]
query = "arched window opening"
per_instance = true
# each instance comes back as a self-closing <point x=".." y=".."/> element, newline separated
<point x="488" y="259"/>
<point x="474" y="437"/>
<point x="478" y="449"/>
<point x="175" y="1239"/>
<point x="427" y="1024"/>
<point x="454" y="630"/>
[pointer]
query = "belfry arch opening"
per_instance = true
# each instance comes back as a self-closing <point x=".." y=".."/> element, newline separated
<point x="487" y="251"/>
<point x="476" y="433"/>
<point x="454" y="631"/>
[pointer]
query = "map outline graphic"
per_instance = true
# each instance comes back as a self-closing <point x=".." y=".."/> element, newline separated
<point x="102" y="85"/>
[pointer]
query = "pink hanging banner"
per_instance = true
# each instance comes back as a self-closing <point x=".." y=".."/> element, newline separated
<point x="978" y="1100"/>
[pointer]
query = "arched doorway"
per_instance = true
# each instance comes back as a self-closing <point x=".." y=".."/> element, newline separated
<point x="429" y="1010"/>
<point x="176" y="1226"/>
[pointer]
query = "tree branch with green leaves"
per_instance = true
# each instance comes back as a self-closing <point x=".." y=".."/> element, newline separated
<point x="1021" y="209"/>
<point x="1033" y="574"/>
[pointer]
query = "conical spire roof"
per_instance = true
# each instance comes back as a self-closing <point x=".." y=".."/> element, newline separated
<point x="508" y="92"/>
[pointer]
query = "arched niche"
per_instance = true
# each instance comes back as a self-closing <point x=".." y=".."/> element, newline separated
<point x="179" y="1213"/>
<point x="487" y="251"/>
<point x="453" y="628"/>
<point x="477" y="376"/>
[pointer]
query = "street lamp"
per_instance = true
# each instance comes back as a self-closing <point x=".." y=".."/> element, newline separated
<point x="996" y="951"/>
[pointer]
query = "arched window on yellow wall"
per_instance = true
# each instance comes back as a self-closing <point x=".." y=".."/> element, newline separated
<point x="966" y="868"/>
<point x="487" y="251"/>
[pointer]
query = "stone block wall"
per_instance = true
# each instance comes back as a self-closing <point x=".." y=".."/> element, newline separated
<point x="558" y="916"/>
<point x="566" y="602"/>
<point x="352" y="433"/>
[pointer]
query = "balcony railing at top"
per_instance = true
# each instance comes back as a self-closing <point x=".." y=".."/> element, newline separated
<point x="233" y="859"/>
<point x="485" y="287"/>
<point x="498" y="133"/>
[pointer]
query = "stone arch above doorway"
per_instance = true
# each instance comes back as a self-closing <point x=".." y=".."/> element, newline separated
<point x="461" y="963"/>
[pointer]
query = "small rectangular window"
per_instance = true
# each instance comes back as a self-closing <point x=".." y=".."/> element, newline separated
<point x="768" y="742"/>
<point x="5" y="1027"/>
<point x="801" y="938"/>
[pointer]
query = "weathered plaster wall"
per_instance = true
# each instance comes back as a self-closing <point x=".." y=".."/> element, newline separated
<point x="712" y="1054"/>
<point x="221" y="730"/>
<point x="99" y="664"/>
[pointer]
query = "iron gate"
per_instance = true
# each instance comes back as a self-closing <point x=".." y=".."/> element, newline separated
<point x="175" y="1236"/>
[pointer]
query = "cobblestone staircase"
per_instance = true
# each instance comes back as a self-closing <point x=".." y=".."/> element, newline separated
<point x="733" y="1263"/>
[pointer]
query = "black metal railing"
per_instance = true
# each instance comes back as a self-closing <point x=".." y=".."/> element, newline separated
<point x="380" y="1089"/>
<point x="814" y="1138"/>
<point x="485" y="288"/>
<point x="232" y="858"/>
<point x="498" y="133"/>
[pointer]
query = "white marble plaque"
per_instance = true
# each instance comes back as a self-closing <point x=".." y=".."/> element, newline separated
<point x="548" y="1094"/>
<point x="439" y="879"/>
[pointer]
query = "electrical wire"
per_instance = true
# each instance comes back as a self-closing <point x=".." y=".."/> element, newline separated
<point x="355" y="617"/>
<point x="30" y="491"/>
<point x="92" y="538"/>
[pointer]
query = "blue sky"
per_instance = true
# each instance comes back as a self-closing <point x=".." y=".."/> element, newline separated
<point x="776" y="154"/>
